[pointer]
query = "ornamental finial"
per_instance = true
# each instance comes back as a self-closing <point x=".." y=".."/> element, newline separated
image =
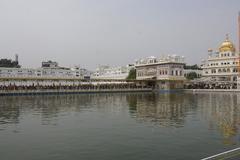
<point x="227" y="36"/>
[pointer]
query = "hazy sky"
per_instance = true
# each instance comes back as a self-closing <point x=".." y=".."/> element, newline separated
<point x="114" y="32"/>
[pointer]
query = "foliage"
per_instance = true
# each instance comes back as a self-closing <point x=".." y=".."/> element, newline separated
<point x="195" y="66"/>
<point x="132" y="74"/>
<point x="9" y="63"/>
<point x="192" y="75"/>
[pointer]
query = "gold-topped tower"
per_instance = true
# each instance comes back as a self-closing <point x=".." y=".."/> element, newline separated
<point x="227" y="45"/>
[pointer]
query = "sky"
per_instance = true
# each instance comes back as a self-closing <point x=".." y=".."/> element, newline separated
<point x="89" y="33"/>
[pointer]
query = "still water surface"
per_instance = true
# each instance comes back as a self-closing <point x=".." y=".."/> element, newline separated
<point x="178" y="126"/>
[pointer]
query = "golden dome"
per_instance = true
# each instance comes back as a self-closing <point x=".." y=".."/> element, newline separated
<point x="227" y="45"/>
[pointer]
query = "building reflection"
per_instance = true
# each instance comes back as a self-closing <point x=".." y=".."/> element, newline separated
<point x="222" y="111"/>
<point x="163" y="109"/>
<point x="9" y="112"/>
<point x="49" y="108"/>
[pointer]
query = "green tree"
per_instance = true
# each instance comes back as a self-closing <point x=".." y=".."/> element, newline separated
<point x="192" y="75"/>
<point x="132" y="74"/>
<point x="195" y="66"/>
<point x="9" y="63"/>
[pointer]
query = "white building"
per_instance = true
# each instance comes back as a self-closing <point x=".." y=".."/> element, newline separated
<point x="163" y="68"/>
<point x="222" y="65"/>
<point x="107" y="72"/>
<point x="43" y="73"/>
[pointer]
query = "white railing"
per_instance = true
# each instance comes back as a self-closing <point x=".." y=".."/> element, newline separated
<point x="228" y="154"/>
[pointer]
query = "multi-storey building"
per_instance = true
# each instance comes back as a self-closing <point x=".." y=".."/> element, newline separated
<point x="164" y="70"/>
<point x="48" y="70"/>
<point x="222" y="65"/>
<point x="107" y="72"/>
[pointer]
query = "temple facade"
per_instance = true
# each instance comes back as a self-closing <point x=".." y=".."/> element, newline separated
<point x="166" y="72"/>
<point x="222" y="65"/>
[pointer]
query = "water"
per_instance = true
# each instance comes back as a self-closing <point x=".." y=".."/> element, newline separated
<point x="140" y="126"/>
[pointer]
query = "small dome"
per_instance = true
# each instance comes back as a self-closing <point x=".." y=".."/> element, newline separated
<point x="227" y="45"/>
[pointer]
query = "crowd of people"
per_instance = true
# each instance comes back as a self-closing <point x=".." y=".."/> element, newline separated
<point x="72" y="87"/>
<point x="210" y="86"/>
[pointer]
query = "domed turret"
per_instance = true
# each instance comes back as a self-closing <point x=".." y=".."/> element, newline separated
<point x="227" y="45"/>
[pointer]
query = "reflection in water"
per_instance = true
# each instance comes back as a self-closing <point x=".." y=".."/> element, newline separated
<point x="49" y="107"/>
<point x="163" y="109"/>
<point x="219" y="111"/>
<point x="9" y="113"/>
<point x="223" y="111"/>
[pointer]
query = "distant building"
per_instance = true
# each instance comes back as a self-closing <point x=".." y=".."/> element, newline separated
<point x="164" y="68"/>
<point x="222" y="65"/>
<point x="49" y="69"/>
<point x="167" y="71"/>
<point x="107" y="72"/>
<point x="49" y="64"/>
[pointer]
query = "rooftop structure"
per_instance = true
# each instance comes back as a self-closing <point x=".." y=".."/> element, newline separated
<point x="163" y="59"/>
<point x="49" y="64"/>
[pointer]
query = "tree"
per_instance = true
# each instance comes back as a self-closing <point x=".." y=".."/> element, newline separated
<point x="9" y="63"/>
<point x="195" y="66"/>
<point x="132" y="74"/>
<point x="192" y="75"/>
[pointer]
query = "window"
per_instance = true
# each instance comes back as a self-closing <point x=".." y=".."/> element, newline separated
<point x="213" y="71"/>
